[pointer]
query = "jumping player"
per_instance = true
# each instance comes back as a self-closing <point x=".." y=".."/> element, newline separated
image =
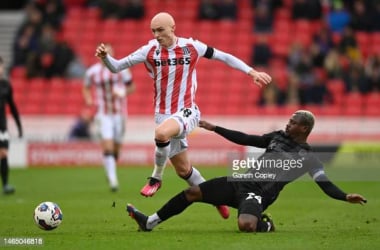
<point x="171" y="63"/>
<point x="111" y="96"/>
<point x="251" y="197"/>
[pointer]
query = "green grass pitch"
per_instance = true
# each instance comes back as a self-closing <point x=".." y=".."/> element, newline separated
<point x="304" y="216"/>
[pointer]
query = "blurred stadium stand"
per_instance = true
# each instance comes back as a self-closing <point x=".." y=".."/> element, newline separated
<point x="228" y="92"/>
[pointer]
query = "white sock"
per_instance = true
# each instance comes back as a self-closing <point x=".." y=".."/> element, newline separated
<point x="161" y="156"/>
<point x="153" y="220"/>
<point x="195" y="177"/>
<point x="110" y="168"/>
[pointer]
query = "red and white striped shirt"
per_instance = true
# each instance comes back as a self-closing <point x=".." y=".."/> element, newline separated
<point x="173" y="72"/>
<point x="105" y="83"/>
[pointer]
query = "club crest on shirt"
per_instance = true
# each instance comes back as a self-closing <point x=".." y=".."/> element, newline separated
<point x="186" y="51"/>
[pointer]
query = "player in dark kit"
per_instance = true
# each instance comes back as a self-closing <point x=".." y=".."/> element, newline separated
<point x="252" y="196"/>
<point x="6" y="97"/>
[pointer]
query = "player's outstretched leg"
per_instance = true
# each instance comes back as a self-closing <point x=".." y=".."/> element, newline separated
<point x="140" y="218"/>
<point x="194" y="177"/>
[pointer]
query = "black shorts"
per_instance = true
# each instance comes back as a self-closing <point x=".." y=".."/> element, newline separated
<point x="220" y="191"/>
<point x="4" y="139"/>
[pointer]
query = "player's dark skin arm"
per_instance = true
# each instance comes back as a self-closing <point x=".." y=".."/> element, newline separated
<point x="236" y="136"/>
<point x="334" y="192"/>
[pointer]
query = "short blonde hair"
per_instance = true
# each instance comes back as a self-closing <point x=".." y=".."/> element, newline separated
<point x="307" y="118"/>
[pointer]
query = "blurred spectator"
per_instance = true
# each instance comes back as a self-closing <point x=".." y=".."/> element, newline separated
<point x="332" y="64"/>
<point x="318" y="93"/>
<point x="261" y="53"/>
<point x="262" y="19"/>
<point x="81" y="129"/>
<point x="361" y="18"/>
<point x="208" y="10"/>
<point x="355" y="80"/>
<point x="292" y="94"/>
<point x="227" y="10"/>
<point x="372" y="71"/>
<point x="271" y="96"/>
<point x="52" y="57"/>
<point x="376" y="16"/>
<point x="348" y="44"/>
<point x="294" y="56"/>
<point x="132" y="9"/>
<point x="272" y="5"/>
<point x="321" y="45"/>
<point x="306" y="9"/>
<point x="338" y="17"/>
<point x="53" y="11"/>
<point x="24" y="43"/>
<point x="121" y="9"/>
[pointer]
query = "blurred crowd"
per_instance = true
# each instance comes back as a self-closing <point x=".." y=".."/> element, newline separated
<point x="37" y="45"/>
<point x="40" y="49"/>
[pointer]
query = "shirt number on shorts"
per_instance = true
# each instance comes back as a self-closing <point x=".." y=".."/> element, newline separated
<point x="254" y="196"/>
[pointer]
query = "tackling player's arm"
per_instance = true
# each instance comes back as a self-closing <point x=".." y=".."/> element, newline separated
<point x="333" y="191"/>
<point x="237" y="136"/>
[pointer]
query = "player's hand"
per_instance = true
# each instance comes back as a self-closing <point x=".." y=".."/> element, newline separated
<point x="207" y="125"/>
<point x="260" y="78"/>
<point x="356" y="198"/>
<point x="101" y="51"/>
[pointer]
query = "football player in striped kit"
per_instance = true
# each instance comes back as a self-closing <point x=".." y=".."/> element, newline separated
<point x="111" y="92"/>
<point x="171" y="63"/>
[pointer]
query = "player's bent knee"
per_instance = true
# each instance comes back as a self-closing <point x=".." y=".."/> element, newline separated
<point x="193" y="193"/>
<point x="247" y="223"/>
<point x="160" y="135"/>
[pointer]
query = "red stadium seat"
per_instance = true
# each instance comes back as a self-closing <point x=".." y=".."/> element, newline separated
<point x="331" y="110"/>
<point x="18" y="72"/>
<point x="372" y="111"/>
<point x="372" y="100"/>
<point x="354" y="99"/>
<point x="353" y="110"/>
<point x="336" y="86"/>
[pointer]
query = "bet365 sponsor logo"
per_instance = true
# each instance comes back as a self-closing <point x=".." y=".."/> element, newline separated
<point x="172" y="61"/>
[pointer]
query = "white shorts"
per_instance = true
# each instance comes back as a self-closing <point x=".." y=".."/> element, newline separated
<point x="188" y="120"/>
<point x="111" y="127"/>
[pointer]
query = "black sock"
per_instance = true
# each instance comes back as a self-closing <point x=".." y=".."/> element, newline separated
<point x="262" y="226"/>
<point x="174" y="206"/>
<point x="4" y="171"/>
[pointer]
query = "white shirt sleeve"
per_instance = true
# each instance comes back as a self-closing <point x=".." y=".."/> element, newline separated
<point x="231" y="61"/>
<point x="136" y="57"/>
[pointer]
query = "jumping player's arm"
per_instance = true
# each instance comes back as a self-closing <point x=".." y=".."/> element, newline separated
<point x="259" y="78"/>
<point x="319" y="176"/>
<point x="237" y="136"/>
<point x="14" y="111"/>
<point x="115" y="65"/>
